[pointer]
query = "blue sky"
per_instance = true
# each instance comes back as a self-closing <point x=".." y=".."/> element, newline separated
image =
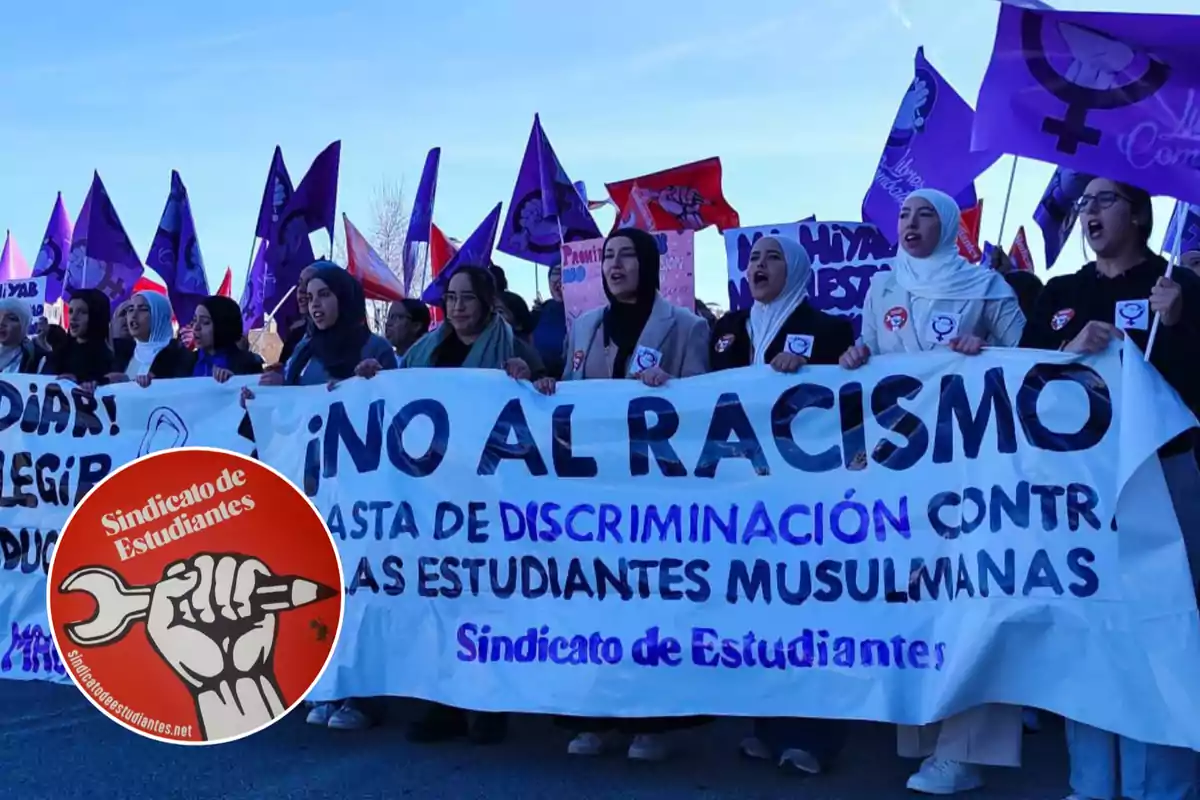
<point x="794" y="97"/>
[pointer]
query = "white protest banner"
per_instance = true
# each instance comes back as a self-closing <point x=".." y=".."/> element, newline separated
<point x="900" y="543"/>
<point x="31" y="290"/>
<point x="844" y="256"/>
<point x="583" y="285"/>
<point x="56" y="443"/>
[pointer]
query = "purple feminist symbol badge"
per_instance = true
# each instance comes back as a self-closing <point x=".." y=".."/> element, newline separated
<point x="1090" y="81"/>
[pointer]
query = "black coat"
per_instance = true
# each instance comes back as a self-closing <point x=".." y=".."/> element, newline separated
<point x="173" y="361"/>
<point x="730" y="346"/>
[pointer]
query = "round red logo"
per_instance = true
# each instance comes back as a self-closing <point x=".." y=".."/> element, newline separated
<point x="1062" y="318"/>
<point x="896" y="318"/>
<point x="195" y="596"/>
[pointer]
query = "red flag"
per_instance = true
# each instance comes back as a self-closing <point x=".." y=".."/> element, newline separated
<point x="441" y="250"/>
<point x="226" y="289"/>
<point x="968" y="233"/>
<point x="681" y="198"/>
<point x="378" y="281"/>
<point x="636" y="212"/>
<point x="1020" y="255"/>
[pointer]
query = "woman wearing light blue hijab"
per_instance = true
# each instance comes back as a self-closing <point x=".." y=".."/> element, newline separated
<point x="152" y="350"/>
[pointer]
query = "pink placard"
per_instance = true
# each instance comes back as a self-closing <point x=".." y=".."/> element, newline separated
<point x="583" y="286"/>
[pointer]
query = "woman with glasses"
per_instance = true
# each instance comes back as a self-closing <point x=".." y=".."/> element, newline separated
<point x="475" y="336"/>
<point x="1107" y="299"/>
<point x="932" y="298"/>
<point x="407" y="321"/>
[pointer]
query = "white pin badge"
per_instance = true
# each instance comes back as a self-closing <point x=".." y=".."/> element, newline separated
<point x="1132" y="315"/>
<point x="644" y="358"/>
<point x="942" y="327"/>
<point x="799" y="344"/>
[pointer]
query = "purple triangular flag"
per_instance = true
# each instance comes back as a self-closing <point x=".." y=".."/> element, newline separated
<point x="175" y="254"/>
<point x="1109" y="94"/>
<point x="546" y="207"/>
<point x="1183" y="229"/>
<point x="929" y="146"/>
<point x="416" y="240"/>
<point x="316" y="196"/>
<point x="1055" y="213"/>
<point x="12" y="263"/>
<point x="276" y="193"/>
<point x="476" y="251"/>
<point x="102" y="257"/>
<point x="310" y="208"/>
<point x="51" y="262"/>
<point x="252" y="292"/>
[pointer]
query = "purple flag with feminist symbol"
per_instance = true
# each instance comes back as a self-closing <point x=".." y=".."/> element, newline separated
<point x="175" y="254"/>
<point x="420" y="221"/>
<point x="102" y="257"/>
<point x="51" y="262"/>
<point x="1100" y="93"/>
<point x="929" y="146"/>
<point x="276" y="193"/>
<point x="546" y="208"/>
<point x="476" y="251"/>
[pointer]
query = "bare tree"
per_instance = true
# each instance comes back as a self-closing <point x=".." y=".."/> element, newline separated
<point x="389" y="226"/>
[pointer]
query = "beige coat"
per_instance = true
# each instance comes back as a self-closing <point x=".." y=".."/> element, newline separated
<point x="677" y="334"/>
<point x="889" y="325"/>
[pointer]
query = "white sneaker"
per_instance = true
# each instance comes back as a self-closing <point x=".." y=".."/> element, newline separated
<point x="349" y="717"/>
<point x="648" y="747"/>
<point x="320" y="713"/>
<point x="801" y="760"/>
<point x="943" y="777"/>
<point x="752" y="747"/>
<point x="586" y="744"/>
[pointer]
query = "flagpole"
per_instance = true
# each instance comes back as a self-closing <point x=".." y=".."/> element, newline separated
<point x="274" y="311"/>
<point x="1176" y="249"/>
<point x="1007" y="196"/>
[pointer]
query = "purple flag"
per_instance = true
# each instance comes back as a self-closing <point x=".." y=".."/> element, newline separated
<point x="252" y="292"/>
<point x="1055" y="213"/>
<point x="546" y="208"/>
<point x="12" y="263"/>
<point x="1105" y="94"/>
<point x="310" y="208"/>
<point x="102" y="257"/>
<point x="316" y="196"/>
<point x="929" y="146"/>
<point x="175" y="254"/>
<point x="476" y="251"/>
<point x="416" y="239"/>
<point x="276" y="193"/>
<point x="1184" y="226"/>
<point x="51" y="262"/>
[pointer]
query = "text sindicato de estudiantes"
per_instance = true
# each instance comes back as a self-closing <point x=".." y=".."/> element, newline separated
<point x="189" y="512"/>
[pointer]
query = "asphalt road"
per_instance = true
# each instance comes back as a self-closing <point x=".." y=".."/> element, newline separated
<point x="57" y="746"/>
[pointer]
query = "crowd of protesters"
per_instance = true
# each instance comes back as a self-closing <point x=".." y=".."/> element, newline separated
<point x="489" y="327"/>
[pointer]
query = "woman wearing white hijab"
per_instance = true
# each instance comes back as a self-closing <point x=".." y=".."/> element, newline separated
<point x="933" y="297"/>
<point x="152" y="350"/>
<point x="782" y="328"/>
<point x="18" y="353"/>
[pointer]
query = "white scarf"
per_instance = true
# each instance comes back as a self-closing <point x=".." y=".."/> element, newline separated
<point x="945" y="274"/>
<point x="161" y="334"/>
<point x="767" y="319"/>
<point x="11" y="355"/>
